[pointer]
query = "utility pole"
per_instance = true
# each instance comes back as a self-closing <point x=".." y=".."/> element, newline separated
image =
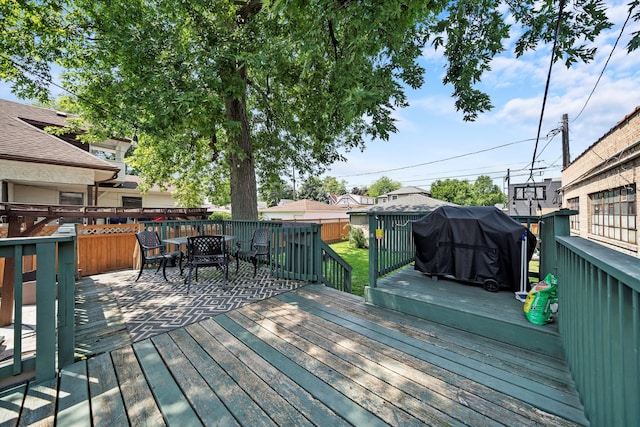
<point x="566" y="157"/>
<point x="295" y="195"/>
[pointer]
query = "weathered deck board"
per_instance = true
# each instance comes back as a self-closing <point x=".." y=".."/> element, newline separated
<point x="450" y="368"/>
<point x="498" y="315"/>
<point x="547" y="369"/>
<point x="525" y="389"/>
<point x="313" y="356"/>
<point x="11" y="401"/>
<point x="73" y="403"/>
<point x="107" y="407"/>
<point x="258" y="390"/>
<point x="193" y="381"/>
<point x="138" y="399"/>
<point x="100" y="326"/>
<point x="356" y="365"/>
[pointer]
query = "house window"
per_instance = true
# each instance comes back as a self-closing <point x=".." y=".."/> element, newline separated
<point x="538" y="192"/>
<point x="68" y="198"/>
<point x="131" y="202"/>
<point x="75" y="199"/>
<point x="613" y="214"/>
<point x="574" y="220"/>
<point x="104" y="154"/>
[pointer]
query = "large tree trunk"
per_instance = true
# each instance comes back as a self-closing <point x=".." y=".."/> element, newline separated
<point x="244" y="197"/>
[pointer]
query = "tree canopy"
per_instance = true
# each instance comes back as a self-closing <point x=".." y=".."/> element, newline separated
<point x="314" y="188"/>
<point x="275" y="190"/>
<point x="223" y="94"/>
<point x="481" y="193"/>
<point x="382" y="186"/>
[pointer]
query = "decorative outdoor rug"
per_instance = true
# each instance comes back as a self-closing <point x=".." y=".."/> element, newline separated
<point x="152" y="305"/>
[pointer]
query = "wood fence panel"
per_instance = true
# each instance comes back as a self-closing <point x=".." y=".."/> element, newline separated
<point x="100" y="253"/>
<point x="332" y="229"/>
<point x="333" y="232"/>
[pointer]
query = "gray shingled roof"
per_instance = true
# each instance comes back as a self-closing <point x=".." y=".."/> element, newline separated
<point x="20" y="141"/>
<point x="304" y="205"/>
<point x="407" y="190"/>
<point x="411" y="203"/>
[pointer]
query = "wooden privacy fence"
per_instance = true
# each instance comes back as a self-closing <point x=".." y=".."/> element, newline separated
<point x="333" y="229"/>
<point x="101" y="248"/>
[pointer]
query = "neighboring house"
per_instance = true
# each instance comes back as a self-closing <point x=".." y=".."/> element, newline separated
<point x="304" y="210"/>
<point x="402" y="192"/>
<point x="353" y="201"/>
<point x="601" y="185"/>
<point x="39" y="168"/>
<point x="534" y="198"/>
<point x="418" y="203"/>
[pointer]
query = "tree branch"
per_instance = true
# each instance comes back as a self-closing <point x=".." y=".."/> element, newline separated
<point x="333" y="40"/>
<point x="248" y="8"/>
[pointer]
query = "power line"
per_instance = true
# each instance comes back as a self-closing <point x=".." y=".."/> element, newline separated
<point x="476" y="171"/>
<point x="546" y="88"/>
<point x="605" y="65"/>
<point x="491" y="174"/>
<point x="439" y="160"/>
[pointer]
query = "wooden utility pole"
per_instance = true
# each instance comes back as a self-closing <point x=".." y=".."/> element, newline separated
<point x="566" y="157"/>
<point x="295" y="194"/>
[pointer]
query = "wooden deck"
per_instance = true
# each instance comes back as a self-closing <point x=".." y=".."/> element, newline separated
<point x="313" y="356"/>
<point x="498" y="316"/>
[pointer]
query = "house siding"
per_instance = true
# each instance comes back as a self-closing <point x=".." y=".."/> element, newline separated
<point x="44" y="174"/>
<point x="611" y="163"/>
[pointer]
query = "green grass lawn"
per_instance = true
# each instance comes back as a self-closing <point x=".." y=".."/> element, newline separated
<point x="359" y="260"/>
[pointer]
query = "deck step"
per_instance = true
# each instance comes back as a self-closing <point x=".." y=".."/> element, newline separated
<point x="498" y="316"/>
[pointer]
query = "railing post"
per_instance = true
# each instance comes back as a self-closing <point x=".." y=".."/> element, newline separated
<point x="66" y="295"/>
<point x="45" y="313"/>
<point x="316" y="252"/>
<point x="373" y="250"/>
<point x="17" y="307"/>
<point x="553" y="224"/>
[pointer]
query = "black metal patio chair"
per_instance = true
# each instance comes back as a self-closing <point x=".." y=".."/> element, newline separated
<point x="152" y="251"/>
<point x="259" y="249"/>
<point x="207" y="251"/>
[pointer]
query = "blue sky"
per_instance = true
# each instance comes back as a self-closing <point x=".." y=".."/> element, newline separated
<point x="431" y="132"/>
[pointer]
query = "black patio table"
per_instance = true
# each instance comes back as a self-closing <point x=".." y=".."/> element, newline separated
<point x="182" y="240"/>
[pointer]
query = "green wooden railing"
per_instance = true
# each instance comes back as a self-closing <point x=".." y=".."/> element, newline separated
<point x="56" y="259"/>
<point x="335" y="270"/>
<point x="391" y="243"/>
<point x="552" y="225"/>
<point x="297" y="250"/>
<point x="599" y="319"/>
<point x="599" y="306"/>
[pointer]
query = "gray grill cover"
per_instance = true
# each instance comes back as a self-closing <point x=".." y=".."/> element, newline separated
<point x="471" y="243"/>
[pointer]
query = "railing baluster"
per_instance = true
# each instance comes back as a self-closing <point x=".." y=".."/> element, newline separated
<point x="17" y="309"/>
